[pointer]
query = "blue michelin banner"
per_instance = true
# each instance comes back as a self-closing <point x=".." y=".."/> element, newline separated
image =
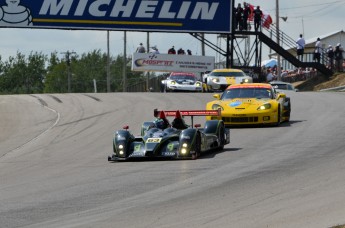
<point x="209" y="16"/>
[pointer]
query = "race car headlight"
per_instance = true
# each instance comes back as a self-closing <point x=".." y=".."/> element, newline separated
<point x="217" y="106"/>
<point x="184" y="145"/>
<point x="172" y="82"/>
<point x="198" y="84"/>
<point x="215" y="79"/>
<point x="245" y="80"/>
<point x="121" y="152"/>
<point x="265" y="106"/>
<point x="184" y="151"/>
<point x="120" y="147"/>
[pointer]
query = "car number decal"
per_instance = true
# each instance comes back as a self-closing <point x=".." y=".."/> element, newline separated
<point x="235" y="104"/>
<point x="170" y="147"/>
<point x="137" y="148"/>
<point x="153" y="140"/>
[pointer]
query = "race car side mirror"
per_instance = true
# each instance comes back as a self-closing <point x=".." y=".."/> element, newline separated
<point x="217" y="96"/>
<point x="126" y="127"/>
<point x="281" y="95"/>
<point x="197" y="125"/>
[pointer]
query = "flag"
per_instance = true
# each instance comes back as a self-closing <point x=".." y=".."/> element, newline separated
<point x="251" y="14"/>
<point x="266" y="20"/>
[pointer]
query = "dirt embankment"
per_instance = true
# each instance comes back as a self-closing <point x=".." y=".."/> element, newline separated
<point x="319" y="83"/>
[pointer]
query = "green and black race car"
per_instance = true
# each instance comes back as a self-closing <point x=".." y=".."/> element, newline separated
<point x="159" y="139"/>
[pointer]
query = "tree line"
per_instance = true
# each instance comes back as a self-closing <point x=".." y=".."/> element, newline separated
<point x="39" y="73"/>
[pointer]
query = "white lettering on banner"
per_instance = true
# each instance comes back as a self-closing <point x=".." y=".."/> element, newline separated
<point x="118" y="8"/>
<point x="201" y="8"/>
<point x="126" y="9"/>
<point x="94" y="8"/>
<point x="81" y="8"/>
<point x="165" y="12"/>
<point x="184" y="10"/>
<point x="64" y="7"/>
<point x="147" y="9"/>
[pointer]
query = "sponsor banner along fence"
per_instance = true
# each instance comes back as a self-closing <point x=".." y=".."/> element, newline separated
<point x="172" y="63"/>
<point x="210" y="16"/>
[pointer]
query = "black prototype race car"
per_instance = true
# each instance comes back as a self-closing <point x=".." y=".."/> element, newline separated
<point x="177" y="140"/>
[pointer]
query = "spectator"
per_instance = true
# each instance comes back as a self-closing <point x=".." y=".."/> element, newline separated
<point x="189" y="52"/>
<point x="172" y="51"/>
<point x="318" y="49"/>
<point x="269" y="76"/>
<point x="234" y="23"/>
<point x="338" y="54"/>
<point x="246" y="13"/>
<point x="300" y="47"/>
<point x="154" y="50"/>
<point x="284" y="74"/>
<point x="239" y="17"/>
<point x="180" y="52"/>
<point x="257" y="18"/>
<point x="330" y="55"/>
<point x="141" y="48"/>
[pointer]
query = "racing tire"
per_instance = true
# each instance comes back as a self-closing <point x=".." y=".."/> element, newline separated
<point x="276" y="124"/>
<point x="197" y="147"/>
<point x="289" y="109"/>
<point x="221" y="137"/>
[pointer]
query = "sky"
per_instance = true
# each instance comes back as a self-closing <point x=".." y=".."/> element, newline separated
<point x="313" y="18"/>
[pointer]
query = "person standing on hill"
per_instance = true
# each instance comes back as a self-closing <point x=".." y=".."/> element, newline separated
<point x="141" y="48"/>
<point x="239" y="17"/>
<point x="172" y="51"/>
<point x="300" y="47"/>
<point x="338" y="54"/>
<point x="246" y="13"/>
<point x="257" y="18"/>
<point x="318" y="50"/>
<point x="330" y="55"/>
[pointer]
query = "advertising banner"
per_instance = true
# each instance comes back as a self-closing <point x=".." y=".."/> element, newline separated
<point x="208" y="16"/>
<point x="172" y="63"/>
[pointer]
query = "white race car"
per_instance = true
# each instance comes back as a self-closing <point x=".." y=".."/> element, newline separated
<point x="220" y="79"/>
<point x="184" y="82"/>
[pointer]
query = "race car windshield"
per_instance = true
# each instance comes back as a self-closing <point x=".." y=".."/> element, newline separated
<point x="227" y="74"/>
<point x="247" y="93"/>
<point x="281" y="86"/>
<point x="182" y="77"/>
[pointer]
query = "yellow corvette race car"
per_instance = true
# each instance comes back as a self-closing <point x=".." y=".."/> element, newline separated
<point x="248" y="104"/>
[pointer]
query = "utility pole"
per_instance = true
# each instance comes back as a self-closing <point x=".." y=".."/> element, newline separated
<point x="147" y="50"/>
<point x="108" y="63"/>
<point x="202" y="44"/>
<point x="278" y="40"/>
<point x="124" y="78"/>
<point x="68" y="61"/>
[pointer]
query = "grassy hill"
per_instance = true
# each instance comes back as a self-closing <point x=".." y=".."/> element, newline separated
<point x="318" y="83"/>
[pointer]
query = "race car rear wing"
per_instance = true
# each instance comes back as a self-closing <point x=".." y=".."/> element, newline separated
<point x="190" y="113"/>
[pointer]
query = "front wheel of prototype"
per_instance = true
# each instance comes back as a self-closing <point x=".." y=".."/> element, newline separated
<point x="221" y="137"/>
<point x="197" y="148"/>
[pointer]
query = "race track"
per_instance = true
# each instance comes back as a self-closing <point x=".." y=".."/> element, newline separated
<point x="54" y="170"/>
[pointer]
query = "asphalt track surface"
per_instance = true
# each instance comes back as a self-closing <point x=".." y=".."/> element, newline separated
<point x="54" y="170"/>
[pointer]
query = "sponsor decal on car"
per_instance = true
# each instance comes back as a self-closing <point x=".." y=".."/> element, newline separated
<point x="235" y="103"/>
<point x="153" y="140"/>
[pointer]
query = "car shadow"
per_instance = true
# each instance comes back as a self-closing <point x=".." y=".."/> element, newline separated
<point x="206" y="155"/>
<point x="284" y="124"/>
<point x="213" y="153"/>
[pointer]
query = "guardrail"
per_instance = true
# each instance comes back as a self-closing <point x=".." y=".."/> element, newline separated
<point x="335" y="89"/>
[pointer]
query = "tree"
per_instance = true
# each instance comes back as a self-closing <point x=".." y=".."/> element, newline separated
<point x="21" y="75"/>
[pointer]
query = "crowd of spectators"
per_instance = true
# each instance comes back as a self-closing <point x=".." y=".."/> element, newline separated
<point x="154" y="49"/>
